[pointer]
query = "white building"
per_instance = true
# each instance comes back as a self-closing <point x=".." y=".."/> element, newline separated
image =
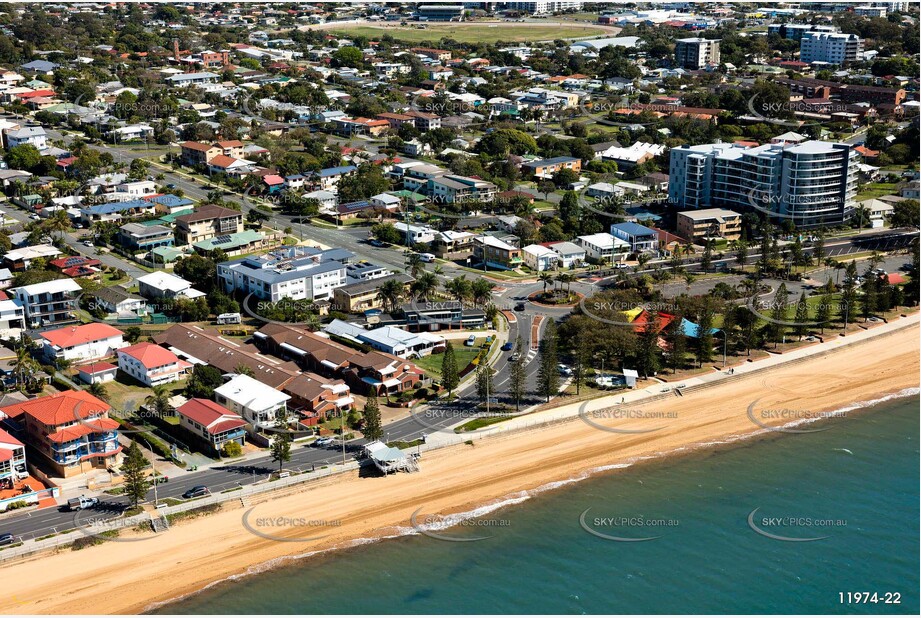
<point x="604" y="247"/>
<point x="298" y="273"/>
<point x="415" y="234"/>
<point x="12" y="315"/>
<point x="540" y="258"/>
<point x="571" y="254"/>
<point x="81" y="343"/>
<point x="35" y="136"/>
<point x="830" y="48"/>
<point x="162" y="284"/>
<point x="48" y="303"/>
<point x="260" y="405"/>
<point x="697" y="53"/>
<point x="151" y="364"/>
<point x="138" y="188"/>
<point x="388" y="339"/>
<point x="813" y="182"/>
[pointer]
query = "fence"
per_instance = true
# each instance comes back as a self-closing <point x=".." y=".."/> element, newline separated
<point x="234" y="492"/>
<point x="300" y="477"/>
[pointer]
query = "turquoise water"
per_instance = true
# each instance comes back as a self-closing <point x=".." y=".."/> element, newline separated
<point x="861" y="473"/>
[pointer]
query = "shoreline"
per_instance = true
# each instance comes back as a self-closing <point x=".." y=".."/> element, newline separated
<point x="459" y="479"/>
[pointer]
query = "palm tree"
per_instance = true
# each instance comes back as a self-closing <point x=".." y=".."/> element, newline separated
<point x="23" y="365"/>
<point x="390" y="294"/>
<point x="415" y="264"/>
<point x="424" y="285"/>
<point x="641" y="260"/>
<point x="545" y="278"/>
<point x="158" y="402"/>
<point x="99" y="390"/>
<point x="481" y="290"/>
<point x="458" y="287"/>
<point x="688" y="280"/>
<point x="58" y="222"/>
<point x="243" y="370"/>
<point x="565" y="279"/>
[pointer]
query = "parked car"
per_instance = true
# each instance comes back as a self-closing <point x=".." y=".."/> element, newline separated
<point x="76" y="504"/>
<point x="377" y="243"/>
<point x="507" y="346"/>
<point x="7" y="539"/>
<point x="323" y="441"/>
<point x="514" y="357"/>
<point x="471" y="340"/>
<point x="196" y="492"/>
<point x="564" y="370"/>
<point x="88" y="243"/>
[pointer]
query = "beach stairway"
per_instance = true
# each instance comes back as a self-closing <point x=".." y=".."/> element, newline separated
<point x="159" y="524"/>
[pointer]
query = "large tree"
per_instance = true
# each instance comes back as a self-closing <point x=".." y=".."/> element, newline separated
<point x="373" y="429"/>
<point x="548" y="372"/>
<point x="449" y="374"/>
<point x="134" y="470"/>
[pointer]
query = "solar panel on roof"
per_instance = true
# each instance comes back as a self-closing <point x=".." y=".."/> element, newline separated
<point x="221" y="240"/>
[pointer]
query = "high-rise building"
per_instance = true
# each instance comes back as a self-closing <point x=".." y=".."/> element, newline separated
<point x="544" y="7"/>
<point x="813" y="183"/>
<point x="830" y="47"/>
<point x="697" y="53"/>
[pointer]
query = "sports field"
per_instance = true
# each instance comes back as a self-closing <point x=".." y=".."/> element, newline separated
<point x="475" y="32"/>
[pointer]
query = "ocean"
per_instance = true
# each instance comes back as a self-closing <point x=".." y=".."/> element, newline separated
<point x="837" y="513"/>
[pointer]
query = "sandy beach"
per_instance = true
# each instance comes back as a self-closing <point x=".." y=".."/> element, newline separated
<point x="129" y="577"/>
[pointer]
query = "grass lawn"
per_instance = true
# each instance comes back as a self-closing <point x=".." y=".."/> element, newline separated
<point x="464" y="355"/>
<point x="473" y="32"/>
<point x="875" y="190"/>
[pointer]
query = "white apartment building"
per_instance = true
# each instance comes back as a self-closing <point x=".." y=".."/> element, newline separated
<point x="298" y="273"/>
<point x="831" y="48"/>
<point x="813" y="183"/>
<point x="545" y="7"/>
<point x="48" y="303"/>
<point x="697" y="53"/>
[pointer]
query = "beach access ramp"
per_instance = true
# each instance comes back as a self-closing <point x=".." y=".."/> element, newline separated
<point x="388" y="459"/>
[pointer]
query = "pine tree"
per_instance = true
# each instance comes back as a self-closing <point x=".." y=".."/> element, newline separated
<point x="677" y="344"/>
<point x="704" y="334"/>
<point x="449" y="375"/>
<point x="373" y="429"/>
<point x="134" y="469"/>
<point x="823" y="312"/>
<point x="484" y="386"/>
<point x="548" y="373"/>
<point x="517" y="380"/>
<point x="581" y="353"/>
<point x="778" y="315"/>
<point x="647" y="349"/>
<point x="802" y="317"/>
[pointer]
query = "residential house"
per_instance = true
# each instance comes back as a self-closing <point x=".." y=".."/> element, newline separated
<point x="21" y="259"/>
<point x="540" y="258"/>
<point x="640" y="237"/>
<point x="12" y="315"/>
<point x="195" y="154"/>
<point x="496" y="253"/>
<point x="137" y="237"/>
<point x="571" y="254"/>
<point x="152" y="365"/>
<point x="212" y="422"/>
<point x="315" y="398"/>
<point x="84" y="342"/>
<point x="119" y="301"/>
<point x="450" y="188"/>
<point x="259" y="404"/>
<point x="207" y="222"/>
<point x="98" y="372"/>
<point x="71" y="431"/>
<point x="604" y="247"/>
<point x="546" y="168"/>
<point x="12" y="460"/>
<point x="160" y="284"/>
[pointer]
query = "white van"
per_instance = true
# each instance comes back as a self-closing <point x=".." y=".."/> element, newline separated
<point x="426" y="257"/>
